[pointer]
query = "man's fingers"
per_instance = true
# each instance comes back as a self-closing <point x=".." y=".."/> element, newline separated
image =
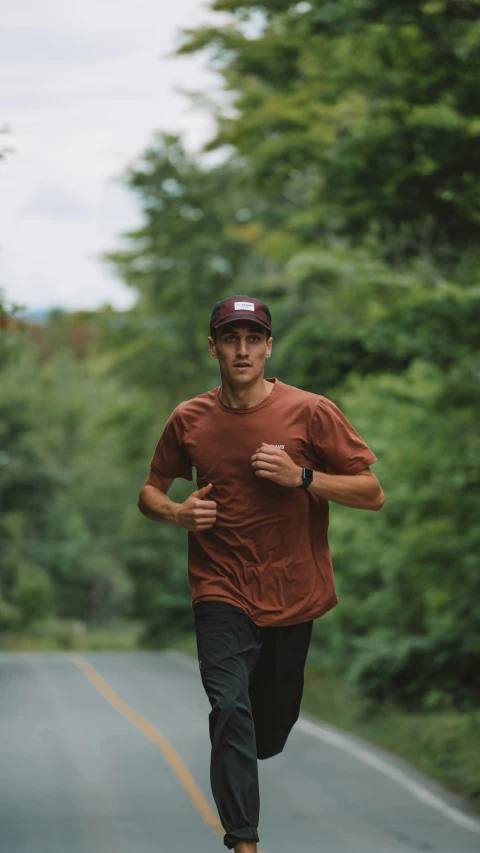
<point x="275" y="453"/>
<point x="264" y="466"/>
<point x="205" y="504"/>
<point x="265" y="457"/>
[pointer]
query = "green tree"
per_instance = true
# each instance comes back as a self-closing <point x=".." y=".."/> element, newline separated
<point x="62" y="492"/>
<point x="358" y="119"/>
<point x="408" y="624"/>
<point x="32" y="594"/>
<point x="178" y="261"/>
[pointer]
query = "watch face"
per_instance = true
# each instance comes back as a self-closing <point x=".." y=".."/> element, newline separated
<point x="307" y="477"/>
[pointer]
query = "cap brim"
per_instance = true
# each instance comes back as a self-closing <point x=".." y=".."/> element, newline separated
<point x="241" y="316"/>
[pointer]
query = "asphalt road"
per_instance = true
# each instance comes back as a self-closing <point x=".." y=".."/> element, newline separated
<point x="109" y="752"/>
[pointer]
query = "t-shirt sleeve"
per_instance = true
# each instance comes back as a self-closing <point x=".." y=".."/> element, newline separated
<point x="171" y="458"/>
<point x="336" y="443"/>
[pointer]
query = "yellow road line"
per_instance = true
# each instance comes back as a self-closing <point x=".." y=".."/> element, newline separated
<point x="152" y="733"/>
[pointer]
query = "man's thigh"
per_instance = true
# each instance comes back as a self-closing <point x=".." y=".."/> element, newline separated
<point x="228" y="646"/>
<point x="276" y="684"/>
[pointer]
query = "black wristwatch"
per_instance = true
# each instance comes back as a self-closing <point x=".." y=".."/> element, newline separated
<point x="307" y="477"/>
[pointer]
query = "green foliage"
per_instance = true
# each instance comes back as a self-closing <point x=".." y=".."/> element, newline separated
<point x="59" y="524"/>
<point x="9" y="616"/>
<point x="357" y="118"/>
<point x="32" y="594"/>
<point x="413" y="567"/>
<point x="181" y="258"/>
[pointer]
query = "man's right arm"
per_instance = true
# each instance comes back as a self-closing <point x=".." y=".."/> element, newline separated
<point x="153" y="501"/>
<point x="193" y="514"/>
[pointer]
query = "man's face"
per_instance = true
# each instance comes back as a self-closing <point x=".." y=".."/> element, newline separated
<point x="241" y="349"/>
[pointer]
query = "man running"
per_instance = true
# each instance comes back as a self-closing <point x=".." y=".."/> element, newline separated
<point x="268" y="458"/>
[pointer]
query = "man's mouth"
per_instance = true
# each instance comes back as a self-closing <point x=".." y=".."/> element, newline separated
<point x="242" y="365"/>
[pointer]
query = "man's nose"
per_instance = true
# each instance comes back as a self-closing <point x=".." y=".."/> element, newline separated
<point x="242" y="348"/>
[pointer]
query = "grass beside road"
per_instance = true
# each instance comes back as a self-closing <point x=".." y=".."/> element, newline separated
<point x="59" y="635"/>
<point x="444" y="744"/>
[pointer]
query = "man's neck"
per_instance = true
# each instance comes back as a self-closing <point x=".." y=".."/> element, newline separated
<point x="245" y="398"/>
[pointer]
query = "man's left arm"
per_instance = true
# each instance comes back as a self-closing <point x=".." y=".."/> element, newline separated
<point x="359" y="491"/>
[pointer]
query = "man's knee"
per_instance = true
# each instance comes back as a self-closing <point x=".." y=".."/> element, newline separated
<point x="264" y="752"/>
<point x="228" y="707"/>
<point x="231" y="717"/>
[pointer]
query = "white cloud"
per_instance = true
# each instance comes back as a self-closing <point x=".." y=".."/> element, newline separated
<point x="27" y="43"/>
<point x="57" y="203"/>
<point x="83" y="88"/>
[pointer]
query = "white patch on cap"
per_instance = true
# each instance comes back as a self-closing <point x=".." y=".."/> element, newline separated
<point x="244" y="306"/>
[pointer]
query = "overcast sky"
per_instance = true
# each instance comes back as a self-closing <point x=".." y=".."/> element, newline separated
<point x="82" y="89"/>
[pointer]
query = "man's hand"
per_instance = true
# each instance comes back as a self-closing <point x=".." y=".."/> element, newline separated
<point x="195" y="513"/>
<point x="275" y="464"/>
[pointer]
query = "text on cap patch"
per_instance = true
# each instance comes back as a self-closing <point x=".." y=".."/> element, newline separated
<point x="244" y="306"/>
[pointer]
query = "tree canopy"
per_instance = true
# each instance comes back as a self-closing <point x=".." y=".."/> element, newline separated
<point x="344" y="191"/>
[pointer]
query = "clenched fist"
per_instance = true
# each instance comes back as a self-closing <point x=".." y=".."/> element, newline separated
<point x="275" y="464"/>
<point x="196" y="513"/>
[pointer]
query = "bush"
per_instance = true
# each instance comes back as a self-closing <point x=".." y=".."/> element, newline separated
<point x="32" y="594"/>
<point x="408" y="624"/>
<point x="416" y="671"/>
<point x="9" y="616"/>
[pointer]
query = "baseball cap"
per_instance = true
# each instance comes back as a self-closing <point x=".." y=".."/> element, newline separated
<point x="240" y="308"/>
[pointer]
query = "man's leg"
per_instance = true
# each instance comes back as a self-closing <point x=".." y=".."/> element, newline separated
<point x="228" y="644"/>
<point x="276" y="685"/>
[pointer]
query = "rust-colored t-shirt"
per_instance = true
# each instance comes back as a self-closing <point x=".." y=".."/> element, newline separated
<point x="268" y="551"/>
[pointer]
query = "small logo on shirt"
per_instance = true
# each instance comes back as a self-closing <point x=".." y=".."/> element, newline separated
<point x="244" y="306"/>
<point x="280" y="446"/>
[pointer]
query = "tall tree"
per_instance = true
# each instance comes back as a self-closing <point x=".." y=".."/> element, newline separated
<point x="360" y="119"/>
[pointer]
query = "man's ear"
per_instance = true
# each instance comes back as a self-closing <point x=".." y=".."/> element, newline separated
<point x="211" y="344"/>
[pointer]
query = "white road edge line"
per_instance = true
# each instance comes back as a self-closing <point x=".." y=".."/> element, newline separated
<point x="393" y="773"/>
<point x="363" y="754"/>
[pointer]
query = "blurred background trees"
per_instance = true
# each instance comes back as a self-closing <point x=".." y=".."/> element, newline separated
<point x="343" y="187"/>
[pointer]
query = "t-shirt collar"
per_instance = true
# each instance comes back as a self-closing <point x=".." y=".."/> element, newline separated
<point x="250" y="409"/>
